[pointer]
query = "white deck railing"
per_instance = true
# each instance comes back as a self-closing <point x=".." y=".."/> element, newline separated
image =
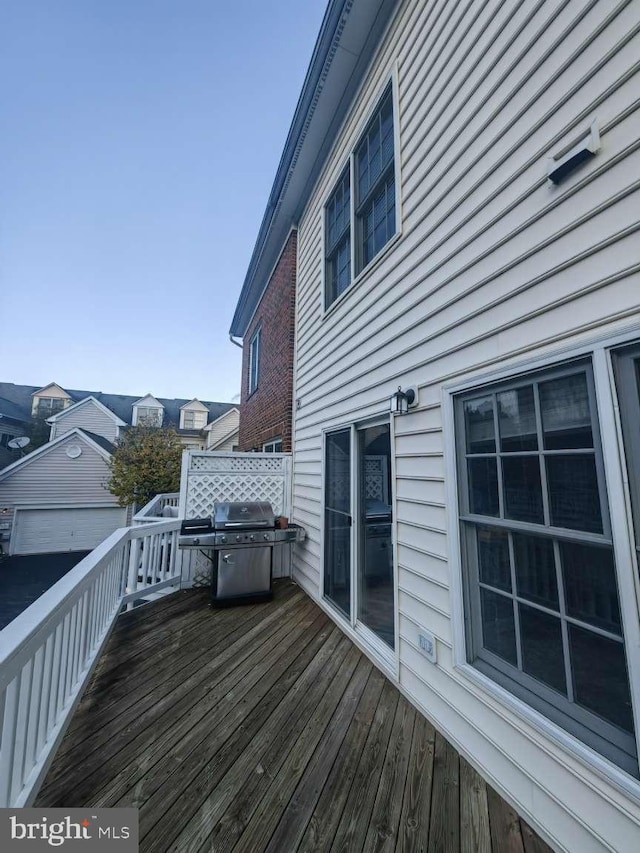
<point x="152" y="511"/>
<point x="47" y="654"/>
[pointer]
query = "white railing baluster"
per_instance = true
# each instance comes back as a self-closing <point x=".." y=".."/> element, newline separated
<point x="43" y="716"/>
<point x="9" y="724"/>
<point x="33" y="715"/>
<point x="49" y="654"/>
<point x="55" y="678"/>
<point x="24" y="698"/>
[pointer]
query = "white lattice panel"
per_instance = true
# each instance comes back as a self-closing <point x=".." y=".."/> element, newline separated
<point x="206" y="489"/>
<point x="241" y="462"/>
<point x="215" y="477"/>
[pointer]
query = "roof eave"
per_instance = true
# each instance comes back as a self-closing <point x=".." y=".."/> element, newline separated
<point x="331" y="81"/>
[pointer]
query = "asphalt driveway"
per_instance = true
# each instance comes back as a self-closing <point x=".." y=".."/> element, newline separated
<point x="23" y="579"/>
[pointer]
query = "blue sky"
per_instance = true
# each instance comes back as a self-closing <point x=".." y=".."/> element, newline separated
<point x="138" y="143"/>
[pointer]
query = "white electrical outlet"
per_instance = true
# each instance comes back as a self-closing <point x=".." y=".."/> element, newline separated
<point x="427" y="643"/>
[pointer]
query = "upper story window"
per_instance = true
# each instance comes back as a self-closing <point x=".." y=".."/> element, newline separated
<point x="48" y="406"/>
<point x="194" y="420"/>
<point x="542" y="606"/>
<point x="149" y="415"/>
<point x="358" y="225"/>
<point x="254" y="360"/>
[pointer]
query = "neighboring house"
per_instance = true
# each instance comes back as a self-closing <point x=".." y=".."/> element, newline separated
<point x="56" y="498"/>
<point x="107" y="414"/>
<point x="464" y="182"/>
<point x="267" y="332"/>
<point x="11" y="426"/>
<point x="223" y="433"/>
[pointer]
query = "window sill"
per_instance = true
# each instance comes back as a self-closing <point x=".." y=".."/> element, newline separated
<point x="362" y="275"/>
<point x="589" y="758"/>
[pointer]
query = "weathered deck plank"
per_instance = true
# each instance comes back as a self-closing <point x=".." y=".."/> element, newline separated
<point x="263" y="728"/>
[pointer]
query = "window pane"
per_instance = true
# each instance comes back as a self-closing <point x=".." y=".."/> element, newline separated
<point x="542" y="653"/>
<point x="566" y="418"/>
<point x="573" y="492"/>
<point x="590" y="587"/>
<point x="483" y="486"/>
<point x="479" y="425"/>
<point x="522" y="488"/>
<point x="600" y="676"/>
<point x="498" y="625"/>
<point x="535" y="569"/>
<point x="493" y="557"/>
<point x="517" y="418"/>
<point x="338" y="468"/>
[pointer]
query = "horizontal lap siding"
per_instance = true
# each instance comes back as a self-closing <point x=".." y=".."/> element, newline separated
<point x="88" y="417"/>
<point x="494" y="263"/>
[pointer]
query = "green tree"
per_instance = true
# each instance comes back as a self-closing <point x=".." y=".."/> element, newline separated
<point x="146" y="462"/>
<point x="38" y="431"/>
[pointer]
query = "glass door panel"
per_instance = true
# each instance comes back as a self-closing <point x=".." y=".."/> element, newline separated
<point x="337" y="520"/>
<point x="375" y="569"/>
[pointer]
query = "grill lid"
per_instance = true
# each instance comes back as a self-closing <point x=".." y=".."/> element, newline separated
<point x="237" y="515"/>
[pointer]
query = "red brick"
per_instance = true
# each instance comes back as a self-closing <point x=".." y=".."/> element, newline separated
<point x="267" y="413"/>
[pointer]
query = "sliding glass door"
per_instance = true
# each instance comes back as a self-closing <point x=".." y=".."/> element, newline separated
<point x="337" y="520"/>
<point x="375" y="527"/>
<point x="358" y="528"/>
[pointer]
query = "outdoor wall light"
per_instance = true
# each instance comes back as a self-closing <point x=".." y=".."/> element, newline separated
<point x="402" y="400"/>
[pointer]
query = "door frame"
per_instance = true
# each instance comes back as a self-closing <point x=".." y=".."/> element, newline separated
<point x="388" y="658"/>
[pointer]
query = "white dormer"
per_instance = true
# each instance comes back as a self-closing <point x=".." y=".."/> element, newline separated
<point x="193" y="415"/>
<point x="49" y="400"/>
<point x="147" y="410"/>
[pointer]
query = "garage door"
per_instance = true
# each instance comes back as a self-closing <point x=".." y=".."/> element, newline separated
<point x="41" y="531"/>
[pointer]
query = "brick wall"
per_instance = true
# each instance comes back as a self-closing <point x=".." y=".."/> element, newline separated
<point x="267" y="413"/>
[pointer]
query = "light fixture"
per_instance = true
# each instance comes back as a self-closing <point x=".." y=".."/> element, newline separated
<point x="402" y="400"/>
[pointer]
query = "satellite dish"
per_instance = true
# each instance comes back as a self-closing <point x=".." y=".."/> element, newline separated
<point x="74" y="451"/>
<point x="19" y="442"/>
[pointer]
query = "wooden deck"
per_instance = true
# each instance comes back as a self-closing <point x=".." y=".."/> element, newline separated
<point x="264" y="728"/>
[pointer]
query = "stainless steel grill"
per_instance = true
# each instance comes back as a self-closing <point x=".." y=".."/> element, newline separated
<point x="242" y="537"/>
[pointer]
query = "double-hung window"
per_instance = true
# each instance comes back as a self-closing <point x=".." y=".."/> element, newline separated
<point x="542" y="610"/>
<point x="254" y="360"/>
<point x="358" y="225"/>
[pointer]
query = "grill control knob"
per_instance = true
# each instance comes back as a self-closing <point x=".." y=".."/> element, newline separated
<point x="196" y="541"/>
<point x="238" y="538"/>
<point x="266" y="537"/>
<point x="251" y="538"/>
<point x="223" y="539"/>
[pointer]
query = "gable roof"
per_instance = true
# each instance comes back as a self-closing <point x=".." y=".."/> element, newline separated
<point x="74" y="408"/>
<point x="39" y="391"/>
<point x="95" y="441"/>
<point x="200" y="407"/>
<point x="120" y="404"/>
<point x="147" y="400"/>
<point x="349" y="34"/>
<point x="210" y="426"/>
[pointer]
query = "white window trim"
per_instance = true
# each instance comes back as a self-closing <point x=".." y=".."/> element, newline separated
<point x="256" y="337"/>
<point x="197" y="416"/>
<point x="388" y="659"/>
<point x="271" y="443"/>
<point x="390" y="78"/>
<point x="599" y="349"/>
<point x="157" y="409"/>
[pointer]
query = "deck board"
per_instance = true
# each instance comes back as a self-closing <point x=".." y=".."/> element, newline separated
<point x="263" y="728"/>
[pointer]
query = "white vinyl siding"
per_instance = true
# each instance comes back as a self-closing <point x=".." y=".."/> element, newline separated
<point x="54" y="479"/>
<point x="40" y="531"/>
<point x="223" y="433"/>
<point x="88" y="417"/>
<point x="495" y="265"/>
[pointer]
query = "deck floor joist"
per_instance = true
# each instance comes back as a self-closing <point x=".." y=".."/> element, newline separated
<point x="263" y="728"/>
